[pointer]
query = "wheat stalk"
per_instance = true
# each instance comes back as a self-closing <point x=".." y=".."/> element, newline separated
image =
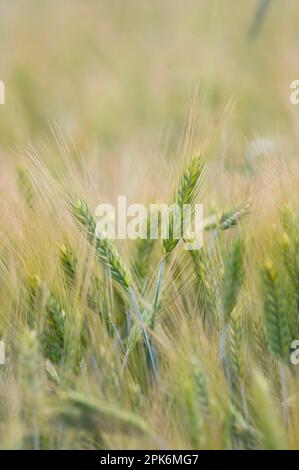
<point x="233" y="277"/>
<point x="205" y="288"/>
<point x="106" y="252"/>
<point x="201" y="387"/>
<point x="69" y="262"/>
<point x="185" y="194"/>
<point x="52" y="333"/>
<point x="278" y="331"/>
<point x="108" y="256"/>
<point x="227" y="219"/>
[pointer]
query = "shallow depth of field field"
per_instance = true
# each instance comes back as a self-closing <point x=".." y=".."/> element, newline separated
<point x="140" y="344"/>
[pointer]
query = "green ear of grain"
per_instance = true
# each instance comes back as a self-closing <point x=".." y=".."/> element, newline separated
<point x="206" y="294"/>
<point x="289" y="279"/>
<point x="98" y="302"/>
<point x="52" y="339"/>
<point x="236" y="356"/>
<point x="288" y="219"/>
<point x="192" y="415"/>
<point x="52" y="333"/>
<point x="68" y="262"/>
<point x="260" y="344"/>
<point x="189" y="180"/>
<point x="231" y="218"/>
<point x="289" y="245"/>
<point x="76" y="339"/>
<point x="83" y="216"/>
<point x="185" y="194"/>
<point x="106" y="252"/>
<point x="228" y="219"/>
<point x="108" y="255"/>
<point x="233" y="278"/>
<point x="278" y="333"/>
<point x="201" y="388"/>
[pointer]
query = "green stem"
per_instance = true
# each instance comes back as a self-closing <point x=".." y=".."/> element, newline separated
<point x="157" y="293"/>
<point x="222" y="353"/>
<point x="244" y="401"/>
<point x="284" y="393"/>
<point x="140" y="321"/>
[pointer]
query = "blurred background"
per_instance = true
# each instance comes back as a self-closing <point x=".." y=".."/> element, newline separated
<point x="111" y="97"/>
<point x="120" y="76"/>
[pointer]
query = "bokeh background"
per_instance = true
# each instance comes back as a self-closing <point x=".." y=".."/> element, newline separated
<point x="121" y="75"/>
<point x="108" y="98"/>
